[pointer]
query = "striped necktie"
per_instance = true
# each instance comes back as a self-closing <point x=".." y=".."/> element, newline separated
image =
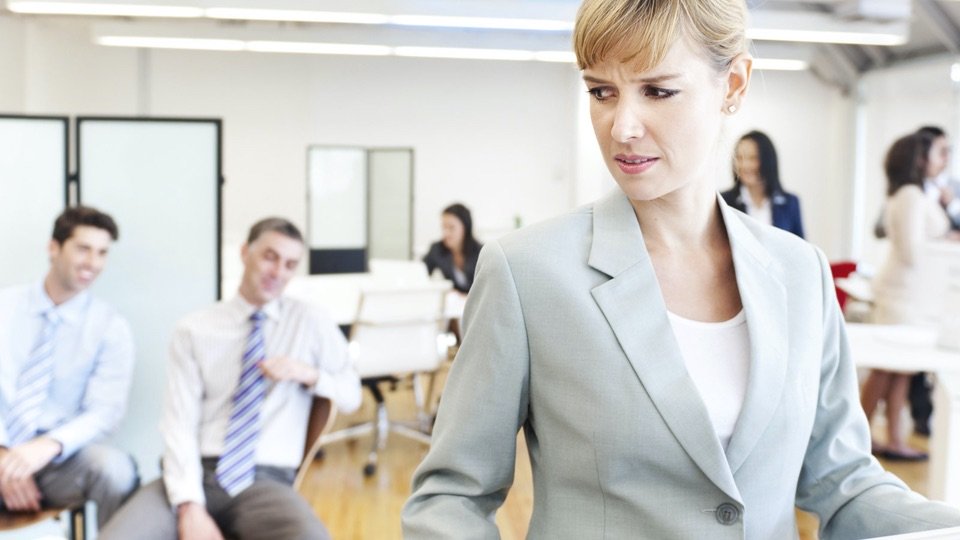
<point x="237" y="463"/>
<point x="33" y="384"/>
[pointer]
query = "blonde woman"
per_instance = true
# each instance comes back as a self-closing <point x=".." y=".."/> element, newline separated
<point x="679" y="371"/>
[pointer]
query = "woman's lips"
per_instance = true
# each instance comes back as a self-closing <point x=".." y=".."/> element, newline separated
<point x="632" y="164"/>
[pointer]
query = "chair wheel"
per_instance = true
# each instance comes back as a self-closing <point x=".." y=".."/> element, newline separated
<point x="369" y="469"/>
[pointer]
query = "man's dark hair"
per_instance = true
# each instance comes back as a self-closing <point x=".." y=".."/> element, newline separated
<point x="275" y="224"/>
<point x="76" y="216"/>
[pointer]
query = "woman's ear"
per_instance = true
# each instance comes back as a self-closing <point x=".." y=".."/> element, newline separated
<point x="738" y="80"/>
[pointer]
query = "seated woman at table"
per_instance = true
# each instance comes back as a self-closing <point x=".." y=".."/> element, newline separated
<point x="457" y="252"/>
<point x="910" y="219"/>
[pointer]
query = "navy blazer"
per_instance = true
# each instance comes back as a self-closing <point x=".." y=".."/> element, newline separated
<point x="786" y="209"/>
<point x="441" y="257"/>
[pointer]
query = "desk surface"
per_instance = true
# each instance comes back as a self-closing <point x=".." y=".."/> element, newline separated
<point x="941" y="534"/>
<point x="899" y="348"/>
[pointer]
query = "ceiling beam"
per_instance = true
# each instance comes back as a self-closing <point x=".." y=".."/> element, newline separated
<point x="940" y="23"/>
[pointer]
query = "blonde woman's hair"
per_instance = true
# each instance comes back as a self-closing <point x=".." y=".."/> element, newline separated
<point x="641" y="32"/>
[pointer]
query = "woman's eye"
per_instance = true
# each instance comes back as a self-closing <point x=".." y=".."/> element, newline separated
<point x="659" y="93"/>
<point x="600" y="93"/>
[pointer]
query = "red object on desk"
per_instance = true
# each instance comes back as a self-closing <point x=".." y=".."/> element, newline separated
<point x="842" y="269"/>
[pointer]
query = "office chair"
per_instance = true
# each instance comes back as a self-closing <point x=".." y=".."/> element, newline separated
<point x="398" y="332"/>
<point x="322" y="415"/>
<point x="76" y="526"/>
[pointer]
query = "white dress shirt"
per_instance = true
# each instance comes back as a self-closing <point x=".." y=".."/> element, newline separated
<point x="93" y="364"/>
<point x="203" y="371"/>
<point x="762" y="212"/>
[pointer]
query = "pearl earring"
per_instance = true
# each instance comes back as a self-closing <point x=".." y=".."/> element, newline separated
<point x="732" y="109"/>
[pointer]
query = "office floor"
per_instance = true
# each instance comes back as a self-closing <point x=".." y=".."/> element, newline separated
<point x="358" y="508"/>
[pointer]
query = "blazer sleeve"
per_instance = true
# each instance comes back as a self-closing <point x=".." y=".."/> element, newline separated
<point x="469" y="469"/>
<point x="796" y="215"/>
<point x="431" y="259"/>
<point x="840" y="481"/>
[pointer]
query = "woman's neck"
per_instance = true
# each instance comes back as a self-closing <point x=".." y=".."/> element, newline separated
<point x="679" y="220"/>
<point x="757" y="193"/>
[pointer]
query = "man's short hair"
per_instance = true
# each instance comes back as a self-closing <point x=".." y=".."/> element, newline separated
<point x="274" y="224"/>
<point x="75" y="216"/>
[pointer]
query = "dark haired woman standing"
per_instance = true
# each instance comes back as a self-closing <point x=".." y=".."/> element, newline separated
<point x="757" y="190"/>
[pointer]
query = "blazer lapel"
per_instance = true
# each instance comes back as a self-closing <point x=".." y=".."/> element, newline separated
<point x="633" y="306"/>
<point x="763" y="294"/>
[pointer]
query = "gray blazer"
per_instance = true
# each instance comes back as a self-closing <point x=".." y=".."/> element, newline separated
<point x="567" y="336"/>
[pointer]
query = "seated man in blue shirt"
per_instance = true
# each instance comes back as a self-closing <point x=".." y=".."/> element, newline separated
<point x="66" y="360"/>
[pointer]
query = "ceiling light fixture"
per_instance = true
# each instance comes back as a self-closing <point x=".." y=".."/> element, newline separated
<point x="826" y="36"/>
<point x="103" y="9"/>
<point x="202" y="44"/>
<point x="489" y="23"/>
<point x="288" y="15"/>
<point x="318" y="48"/>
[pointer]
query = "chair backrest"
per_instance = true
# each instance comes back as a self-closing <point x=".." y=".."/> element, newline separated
<point x="400" y="330"/>
<point x="322" y="415"/>
<point x="842" y="269"/>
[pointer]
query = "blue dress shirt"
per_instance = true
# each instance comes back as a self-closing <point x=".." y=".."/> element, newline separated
<point x="93" y="364"/>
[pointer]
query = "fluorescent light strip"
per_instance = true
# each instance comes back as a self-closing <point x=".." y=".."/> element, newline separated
<point x="471" y="54"/>
<point x="318" y="48"/>
<point x="296" y="16"/>
<point x="172" y="43"/>
<point x="780" y="64"/>
<point x="104" y="9"/>
<point x="824" y="36"/>
<point x="377" y="50"/>
<point x="482" y="22"/>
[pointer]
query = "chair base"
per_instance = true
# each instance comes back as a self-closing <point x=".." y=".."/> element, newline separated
<point x="381" y="429"/>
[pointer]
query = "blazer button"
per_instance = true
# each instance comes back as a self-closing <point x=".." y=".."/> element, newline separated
<point x="727" y="514"/>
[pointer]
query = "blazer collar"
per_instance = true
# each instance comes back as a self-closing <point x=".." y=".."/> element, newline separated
<point x="633" y="306"/>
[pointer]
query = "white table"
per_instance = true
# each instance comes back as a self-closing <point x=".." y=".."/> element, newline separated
<point x="942" y="534"/>
<point x="910" y="349"/>
<point x="340" y="294"/>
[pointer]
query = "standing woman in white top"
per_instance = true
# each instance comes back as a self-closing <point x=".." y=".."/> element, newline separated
<point x="756" y="185"/>
<point x="911" y="219"/>
<point x="568" y="333"/>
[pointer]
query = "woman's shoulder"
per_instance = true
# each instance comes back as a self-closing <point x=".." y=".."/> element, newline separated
<point x="551" y="237"/>
<point x="908" y="192"/>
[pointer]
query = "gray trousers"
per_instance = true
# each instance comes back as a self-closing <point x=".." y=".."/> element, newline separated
<point x="268" y="510"/>
<point x="96" y="473"/>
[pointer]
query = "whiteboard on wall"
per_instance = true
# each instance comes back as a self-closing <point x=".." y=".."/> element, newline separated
<point x="337" y="195"/>
<point x="33" y="191"/>
<point x="160" y="179"/>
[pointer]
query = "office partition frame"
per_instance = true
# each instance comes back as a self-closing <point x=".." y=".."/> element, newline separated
<point x="66" y="145"/>
<point x="218" y="123"/>
<point x="368" y="158"/>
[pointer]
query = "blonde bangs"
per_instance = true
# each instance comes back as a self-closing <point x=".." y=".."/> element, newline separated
<point x="639" y="33"/>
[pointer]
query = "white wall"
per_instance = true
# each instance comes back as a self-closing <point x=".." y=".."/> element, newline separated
<point x="12" y="59"/>
<point x="809" y="124"/>
<point x="897" y="101"/>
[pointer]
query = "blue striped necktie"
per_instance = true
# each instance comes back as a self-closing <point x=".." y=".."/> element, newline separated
<point x="33" y="384"/>
<point x="237" y="463"/>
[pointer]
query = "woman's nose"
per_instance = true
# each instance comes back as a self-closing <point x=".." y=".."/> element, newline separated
<point x="627" y="122"/>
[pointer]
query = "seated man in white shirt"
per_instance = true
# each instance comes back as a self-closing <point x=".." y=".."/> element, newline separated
<point x="66" y="361"/>
<point x="240" y="382"/>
